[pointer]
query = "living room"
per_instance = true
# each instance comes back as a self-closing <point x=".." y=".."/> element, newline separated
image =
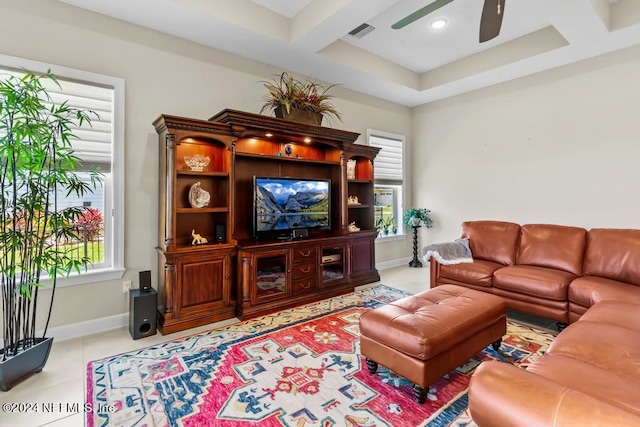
<point x="551" y="147"/>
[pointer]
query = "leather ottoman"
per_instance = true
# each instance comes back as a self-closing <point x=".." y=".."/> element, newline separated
<point x="424" y="336"/>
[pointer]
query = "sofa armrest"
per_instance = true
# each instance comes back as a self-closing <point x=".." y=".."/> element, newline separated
<point x="434" y="267"/>
<point x="503" y="395"/>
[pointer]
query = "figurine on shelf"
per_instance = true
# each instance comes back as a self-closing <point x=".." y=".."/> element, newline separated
<point x="353" y="227"/>
<point x="351" y="169"/>
<point x="197" y="162"/>
<point x="198" y="197"/>
<point x="353" y="200"/>
<point x="288" y="150"/>
<point x="198" y="239"/>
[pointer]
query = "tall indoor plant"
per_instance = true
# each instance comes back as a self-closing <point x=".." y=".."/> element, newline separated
<point x="37" y="165"/>
<point x="288" y="95"/>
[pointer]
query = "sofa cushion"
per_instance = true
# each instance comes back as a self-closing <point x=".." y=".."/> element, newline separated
<point x="552" y="246"/>
<point x="536" y="281"/>
<point x="614" y="254"/>
<point x="588" y="290"/>
<point x="493" y="241"/>
<point x="609" y="347"/>
<point x="572" y="374"/>
<point x="621" y="314"/>
<point x="479" y="272"/>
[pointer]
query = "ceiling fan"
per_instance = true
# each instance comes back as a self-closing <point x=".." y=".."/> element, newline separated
<point x="490" y="22"/>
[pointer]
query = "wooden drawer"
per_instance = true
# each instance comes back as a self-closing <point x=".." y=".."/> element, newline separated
<point x="304" y="270"/>
<point x="304" y="254"/>
<point x="306" y="284"/>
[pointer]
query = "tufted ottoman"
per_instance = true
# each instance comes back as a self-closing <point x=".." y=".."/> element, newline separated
<point x="424" y="336"/>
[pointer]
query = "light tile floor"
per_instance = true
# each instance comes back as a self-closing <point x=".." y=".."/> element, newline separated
<point x="62" y="382"/>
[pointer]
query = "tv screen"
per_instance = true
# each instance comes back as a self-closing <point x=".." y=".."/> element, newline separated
<point x="283" y="204"/>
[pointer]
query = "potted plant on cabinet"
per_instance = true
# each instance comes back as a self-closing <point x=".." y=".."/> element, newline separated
<point x="38" y="165"/>
<point x="413" y="219"/>
<point x="300" y="101"/>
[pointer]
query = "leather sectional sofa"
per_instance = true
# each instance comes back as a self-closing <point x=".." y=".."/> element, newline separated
<point x="590" y="375"/>
<point x="551" y="271"/>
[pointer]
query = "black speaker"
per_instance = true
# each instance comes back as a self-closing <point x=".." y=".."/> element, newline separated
<point x="145" y="280"/>
<point x="142" y="313"/>
<point x="221" y="233"/>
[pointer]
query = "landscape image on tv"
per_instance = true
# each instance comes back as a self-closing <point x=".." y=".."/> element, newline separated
<point x="282" y="204"/>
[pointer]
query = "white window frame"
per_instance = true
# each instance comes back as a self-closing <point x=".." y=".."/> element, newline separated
<point x="114" y="193"/>
<point x="401" y="235"/>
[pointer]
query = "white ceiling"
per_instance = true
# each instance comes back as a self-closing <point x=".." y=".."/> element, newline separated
<point x="411" y="66"/>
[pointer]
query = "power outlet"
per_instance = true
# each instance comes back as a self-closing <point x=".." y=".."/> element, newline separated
<point x="126" y="286"/>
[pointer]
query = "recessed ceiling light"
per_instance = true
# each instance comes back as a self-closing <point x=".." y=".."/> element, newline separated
<point x="438" y="23"/>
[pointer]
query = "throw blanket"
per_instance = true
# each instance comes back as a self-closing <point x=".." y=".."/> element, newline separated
<point x="456" y="252"/>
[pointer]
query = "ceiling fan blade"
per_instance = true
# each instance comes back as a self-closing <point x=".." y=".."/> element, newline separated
<point x="491" y="21"/>
<point x="420" y="13"/>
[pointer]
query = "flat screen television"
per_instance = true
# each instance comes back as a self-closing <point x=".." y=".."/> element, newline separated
<point x="281" y="205"/>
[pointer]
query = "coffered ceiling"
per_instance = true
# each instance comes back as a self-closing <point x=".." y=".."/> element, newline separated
<point x="410" y="66"/>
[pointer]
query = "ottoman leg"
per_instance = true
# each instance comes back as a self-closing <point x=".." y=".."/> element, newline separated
<point x="420" y="394"/>
<point x="496" y="344"/>
<point x="373" y="366"/>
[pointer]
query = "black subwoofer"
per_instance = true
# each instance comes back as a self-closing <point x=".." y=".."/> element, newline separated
<point x="142" y="313"/>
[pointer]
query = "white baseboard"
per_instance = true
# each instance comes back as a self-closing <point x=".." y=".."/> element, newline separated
<point x="393" y="263"/>
<point x="67" y="332"/>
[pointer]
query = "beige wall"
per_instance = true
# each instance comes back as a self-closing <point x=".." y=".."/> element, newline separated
<point x="162" y="74"/>
<point x="557" y="147"/>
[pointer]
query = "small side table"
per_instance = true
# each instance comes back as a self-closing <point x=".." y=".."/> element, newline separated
<point x="415" y="262"/>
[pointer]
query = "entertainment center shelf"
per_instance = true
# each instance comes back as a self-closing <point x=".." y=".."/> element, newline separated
<point x="209" y="175"/>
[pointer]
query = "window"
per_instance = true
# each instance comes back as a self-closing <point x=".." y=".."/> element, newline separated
<point x="99" y="145"/>
<point x="388" y="182"/>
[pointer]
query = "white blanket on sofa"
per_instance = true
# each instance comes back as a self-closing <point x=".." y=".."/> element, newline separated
<point x="456" y="252"/>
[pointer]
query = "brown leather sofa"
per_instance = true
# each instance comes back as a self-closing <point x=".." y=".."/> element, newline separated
<point x="552" y="271"/>
<point x="590" y="375"/>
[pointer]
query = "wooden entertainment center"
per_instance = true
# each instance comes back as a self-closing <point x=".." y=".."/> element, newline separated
<point x="235" y="274"/>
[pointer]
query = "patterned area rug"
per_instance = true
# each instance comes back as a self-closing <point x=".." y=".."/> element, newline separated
<point x="299" y="367"/>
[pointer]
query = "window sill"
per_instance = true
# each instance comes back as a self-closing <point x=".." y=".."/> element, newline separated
<point x="91" y="276"/>
<point x="390" y="238"/>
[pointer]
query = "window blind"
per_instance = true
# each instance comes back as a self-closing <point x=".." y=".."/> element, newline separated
<point x="94" y="143"/>
<point x="388" y="162"/>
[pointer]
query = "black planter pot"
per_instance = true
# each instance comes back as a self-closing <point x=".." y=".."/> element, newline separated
<point x="27" y="362"/>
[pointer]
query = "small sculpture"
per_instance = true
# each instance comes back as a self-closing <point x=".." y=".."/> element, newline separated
<point x="288" y="150"/>
<point x="351" y="169"/>
<point x="353" y="200"/>
<point x="198" y="198"/>
<point x="353" y="227"/>
<point x="198" y="239"/>
<point x="197" y="162"/>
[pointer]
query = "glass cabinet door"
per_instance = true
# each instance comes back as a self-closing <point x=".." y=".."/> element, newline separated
<point x="332" y="265"/>
<point x="272" y="275"/>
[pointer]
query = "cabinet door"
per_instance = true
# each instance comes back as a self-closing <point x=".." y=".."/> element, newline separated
<point x="362" y="256"/>
<point x="203" y="284"/>
<point x="333" y="269"/>
<point x="272" y="273"/>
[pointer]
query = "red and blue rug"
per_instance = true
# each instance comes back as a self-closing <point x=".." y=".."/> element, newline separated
<point x="299" y="367"/>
